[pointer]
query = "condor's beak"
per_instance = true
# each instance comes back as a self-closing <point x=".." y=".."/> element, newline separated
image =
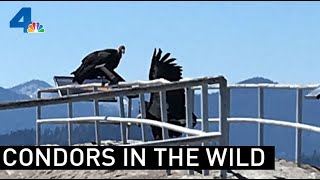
<point x="123" y="51"/>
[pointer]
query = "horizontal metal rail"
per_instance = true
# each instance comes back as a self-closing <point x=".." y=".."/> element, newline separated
<point x="181" y="129"/>
<point x="95" y="85"/>
<point x="71" y="86"/>
<point x="207" y="137"/>
<point x="163" y="81"/>
<point x="263" y="85"/>
<point x="278" y="86"/>
<point x="111" y="93"/>
<point x="199" y="136"/>
<point x="123" y="120"/>
<point x="269" y="121"/>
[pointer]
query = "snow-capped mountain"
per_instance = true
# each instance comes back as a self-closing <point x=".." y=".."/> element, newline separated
<point x="30" y="88"/>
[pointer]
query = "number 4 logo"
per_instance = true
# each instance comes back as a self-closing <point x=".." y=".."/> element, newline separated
<point x="27" y="25"/>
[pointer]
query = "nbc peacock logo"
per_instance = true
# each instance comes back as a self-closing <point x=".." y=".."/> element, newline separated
<point x="35" y="27"/>
<point x="23" y="20"/>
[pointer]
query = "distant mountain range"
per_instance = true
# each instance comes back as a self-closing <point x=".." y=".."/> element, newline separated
<point x="18" y="119"/>
<point x="279" y="105"/>
<point x="30" y="88"/>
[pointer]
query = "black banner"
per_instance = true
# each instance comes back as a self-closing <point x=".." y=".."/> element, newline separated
<point x="140" y="157"/>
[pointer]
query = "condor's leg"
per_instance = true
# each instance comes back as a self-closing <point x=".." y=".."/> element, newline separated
<point x="156" y="132"/>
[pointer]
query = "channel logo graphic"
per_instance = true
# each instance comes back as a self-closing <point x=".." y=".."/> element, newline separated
<point x="27" y="24"/>
<point x="35" y="27"/>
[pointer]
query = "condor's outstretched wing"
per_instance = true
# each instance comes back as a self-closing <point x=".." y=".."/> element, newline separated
<point x="167" y="68"/>
<point x="164" y="67"/>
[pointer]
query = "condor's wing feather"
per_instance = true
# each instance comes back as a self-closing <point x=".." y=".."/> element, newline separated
<point x="164" y="67"/>
<point x="167" y="68"/>
<point x="88" y="65"/>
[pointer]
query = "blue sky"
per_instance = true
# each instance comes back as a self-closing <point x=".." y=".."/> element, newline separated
<point x="276" y="40"/>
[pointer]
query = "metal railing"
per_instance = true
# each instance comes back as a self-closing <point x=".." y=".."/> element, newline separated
<point x="139" y="88"/>
<point x="261" y="121"/>
<point x="160" y="86"/>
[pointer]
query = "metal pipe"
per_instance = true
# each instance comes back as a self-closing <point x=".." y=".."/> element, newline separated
<point x="188" y="105"/>
<point x="261" y="116"/>
<point x="111" y="93"/>
<point x="224" y="113"/>
<point x="117" y="120"/>
<point x="122" y="124"/>
<point x="298" y="131"/>
<point x="181" y="141"/>
<point x="129" y="111"/>
<point x="70" y="115"/>
<point x="143" y="115"/>
<point x="38" y="130"/>
<point x="164" y="117"/>
<point x="96" y="123"/>
<point x="204" y="115"/>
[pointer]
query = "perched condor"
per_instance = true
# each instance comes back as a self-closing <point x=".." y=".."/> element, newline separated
<point x="109" y="57"/>
<point x="166" y="68"/>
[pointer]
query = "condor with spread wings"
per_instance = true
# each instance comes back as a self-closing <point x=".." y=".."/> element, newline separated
<point x="109" y="58"/>
<point x="166" y="68"/>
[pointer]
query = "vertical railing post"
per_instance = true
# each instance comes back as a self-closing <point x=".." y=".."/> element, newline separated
<point x="70" y="115"/>
<point x="38" y="130"/>
<point x="189" y="111"/>
<point x="298" y="131"/>
<point x="260" y="115"/>
<point x="204" y="108"/>
<point x="224" y="106"/>
<point x="143" y="115"/>
<point x="129" y="111"/>
<point x="123" y="128"/>
<point x="204" y="115"/>
<point x="192" y="99"/>
<point x="164" y="117"/>
<point x="97" y="123"/>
